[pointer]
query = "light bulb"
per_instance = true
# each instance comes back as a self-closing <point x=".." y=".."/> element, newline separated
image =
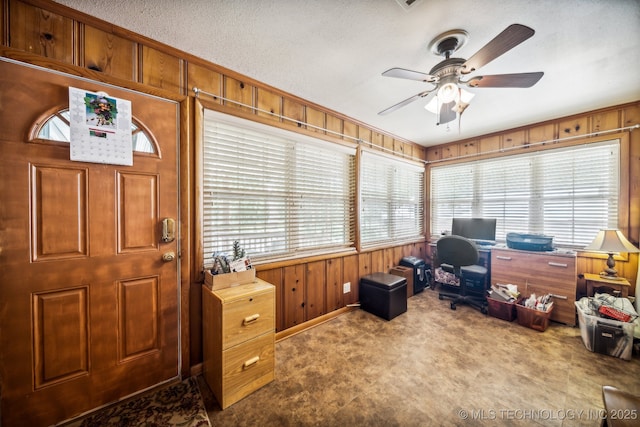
<point x="448" y="92"/>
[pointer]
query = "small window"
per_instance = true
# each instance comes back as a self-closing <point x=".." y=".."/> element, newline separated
<point x="56" y="128"/>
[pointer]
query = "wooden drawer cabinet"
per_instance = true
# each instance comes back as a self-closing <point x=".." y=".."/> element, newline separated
<point x="239" y="339"/>
<point x="539" y="273"/>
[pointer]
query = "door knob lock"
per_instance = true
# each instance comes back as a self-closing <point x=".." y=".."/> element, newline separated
<point x="168" y="230"/>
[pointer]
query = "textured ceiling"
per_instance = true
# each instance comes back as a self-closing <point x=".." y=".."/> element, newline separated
<point x="332" y="52"/>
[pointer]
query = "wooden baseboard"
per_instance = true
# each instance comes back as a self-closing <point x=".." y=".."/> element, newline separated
<point x="312" y="323"/>
<point x="196" y="370"/>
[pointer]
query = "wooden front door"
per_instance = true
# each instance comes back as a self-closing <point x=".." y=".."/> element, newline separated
<point x="88" y="305"/>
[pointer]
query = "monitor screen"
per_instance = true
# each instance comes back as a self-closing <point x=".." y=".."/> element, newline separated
<point x="478" y="229"/>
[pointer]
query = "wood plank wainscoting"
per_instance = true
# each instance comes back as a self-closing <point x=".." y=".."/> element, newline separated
<point x="50" y="35"/>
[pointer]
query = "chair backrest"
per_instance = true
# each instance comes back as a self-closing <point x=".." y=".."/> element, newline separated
<point x="457" y="251"/>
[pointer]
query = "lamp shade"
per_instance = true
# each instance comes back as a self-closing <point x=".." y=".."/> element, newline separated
<point x="611" y="241"/>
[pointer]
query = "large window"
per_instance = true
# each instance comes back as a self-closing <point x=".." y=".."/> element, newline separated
<point x="391" y="200"/>
<point x="278" y="193"/>
<point x="568" y="193"/>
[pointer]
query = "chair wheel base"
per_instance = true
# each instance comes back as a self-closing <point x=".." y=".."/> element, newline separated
<point x="453" y="306"/>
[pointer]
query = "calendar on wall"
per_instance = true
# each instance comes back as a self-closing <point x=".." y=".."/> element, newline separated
<point x="100" y="128"/>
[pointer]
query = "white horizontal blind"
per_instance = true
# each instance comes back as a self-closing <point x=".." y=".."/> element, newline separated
<point x="568" y="193"/>
<point x="277" y="194"/>
<point x="392" y="200"/>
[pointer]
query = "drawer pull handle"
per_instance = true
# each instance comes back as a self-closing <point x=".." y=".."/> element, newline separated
<point x="559" y="296"/>
<point x="250" y="319"/>
<point x="558" y="264"/>
<point x="505" y="258"/>
<point x="250" y="362"/>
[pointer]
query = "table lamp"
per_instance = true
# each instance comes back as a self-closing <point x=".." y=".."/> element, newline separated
<point x="610" y="242"/>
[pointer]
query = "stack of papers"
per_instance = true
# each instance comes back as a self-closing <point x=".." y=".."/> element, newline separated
<point x="505" y="293"/>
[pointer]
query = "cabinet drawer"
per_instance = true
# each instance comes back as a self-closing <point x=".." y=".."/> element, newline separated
<point x="545" y="267"/>
<point x="247" y="367"/>
<point x="247" y="317"/>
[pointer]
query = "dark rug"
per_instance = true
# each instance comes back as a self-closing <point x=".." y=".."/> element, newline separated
<point x="180" y="404"/>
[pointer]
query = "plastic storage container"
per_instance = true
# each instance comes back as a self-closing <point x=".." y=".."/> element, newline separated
<point x="502" y="309"/>
<point x="532" y="318"/>
<point x="605" y="336"/>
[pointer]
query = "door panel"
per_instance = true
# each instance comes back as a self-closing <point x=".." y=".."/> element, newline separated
<point x="60" y="320"/>
<point x="88" y="307"/>
<point x="138" y="308"/>
<point x="58" y="195"/>
<point x="137" y="212"/>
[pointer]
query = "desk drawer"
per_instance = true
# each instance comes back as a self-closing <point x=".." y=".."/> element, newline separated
<point x="247" y="367"/>
<point x="540" y="274"/>
<point x="247" y="317"/>
<point x="544" y="267"/>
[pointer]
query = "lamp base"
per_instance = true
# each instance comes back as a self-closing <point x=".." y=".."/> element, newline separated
<point x="606" y="275"/>
<point x="610" y="272"/>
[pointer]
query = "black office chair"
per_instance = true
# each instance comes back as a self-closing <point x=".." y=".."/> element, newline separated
<point x="458" y="255"/>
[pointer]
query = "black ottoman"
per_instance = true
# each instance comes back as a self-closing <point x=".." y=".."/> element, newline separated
<point x="384" y="295"/>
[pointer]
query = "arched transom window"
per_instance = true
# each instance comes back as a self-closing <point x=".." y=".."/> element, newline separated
<point x="56" y="128"/>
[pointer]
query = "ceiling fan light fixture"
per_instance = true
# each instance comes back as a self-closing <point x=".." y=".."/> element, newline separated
<point x="466" y="96"/>
<point x="432" y="106"/>
<point x="448" y="92"/>
<point x="446" y="75"/>
<point x="447" y="109"/>
<point x="462" y="97"/>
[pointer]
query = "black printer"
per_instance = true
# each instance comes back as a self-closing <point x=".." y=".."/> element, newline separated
<point x="530" y="242"/>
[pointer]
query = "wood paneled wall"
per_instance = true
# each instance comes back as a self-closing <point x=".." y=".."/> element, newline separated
<point x="48" y="34"/>
<point x="578" y="129"/>
<point x="53" y="36"/>
<point x="62" y="36"/>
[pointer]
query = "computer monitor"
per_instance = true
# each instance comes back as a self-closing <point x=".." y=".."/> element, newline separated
<point x="481" y="230"/>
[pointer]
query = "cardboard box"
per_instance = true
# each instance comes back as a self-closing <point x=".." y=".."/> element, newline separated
<point x="407" y="273"/>
<point x="227" y="280"/>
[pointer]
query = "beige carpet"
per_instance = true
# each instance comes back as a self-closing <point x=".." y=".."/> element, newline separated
<point x="179" y="404"/>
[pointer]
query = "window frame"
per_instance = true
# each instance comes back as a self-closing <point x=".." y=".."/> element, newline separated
<point x="623" y="162"/>
<point x="392" y="202"/>
<point x="202" y="256"/>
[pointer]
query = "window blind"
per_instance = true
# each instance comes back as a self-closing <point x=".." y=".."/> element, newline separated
<point x="278" y="193"/>
<point x="392" y="200"/>
<point x="568" y="193"/>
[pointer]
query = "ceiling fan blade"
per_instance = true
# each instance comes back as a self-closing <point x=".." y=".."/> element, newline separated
<point x="512" y="36"/>
<point x="505" y="80"/>
<point x="405" y="102"/>
<point x="402" y="73"/>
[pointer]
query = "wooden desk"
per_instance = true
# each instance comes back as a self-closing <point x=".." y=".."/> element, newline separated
<point x="595" y="281"/>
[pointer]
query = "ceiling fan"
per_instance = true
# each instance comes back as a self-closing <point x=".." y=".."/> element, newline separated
<point x="447" y="76"/>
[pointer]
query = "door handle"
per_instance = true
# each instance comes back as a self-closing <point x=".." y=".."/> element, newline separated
<point x="168" y="230"/>
<point x="168" y="256"/>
